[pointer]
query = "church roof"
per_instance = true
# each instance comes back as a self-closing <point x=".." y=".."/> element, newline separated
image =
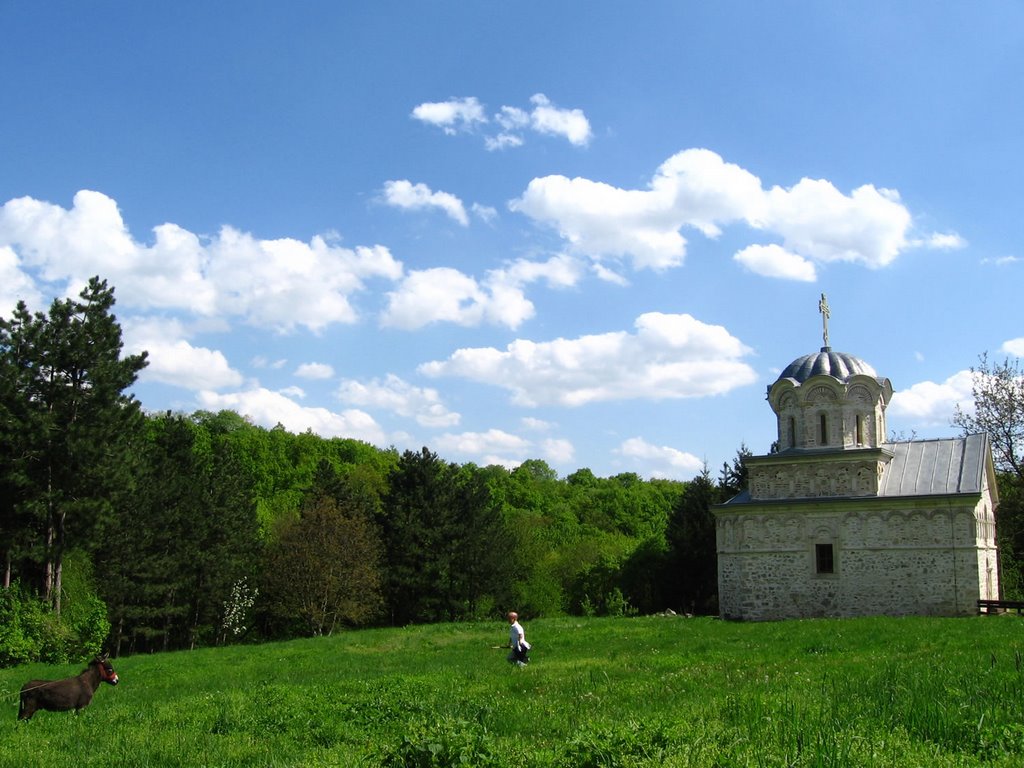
<point x="944" y="467"/>
<point x="838" y="365"/>
<point x="929" y="467"/>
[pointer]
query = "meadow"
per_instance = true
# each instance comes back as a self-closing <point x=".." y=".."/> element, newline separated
<point x="650" y="691"/>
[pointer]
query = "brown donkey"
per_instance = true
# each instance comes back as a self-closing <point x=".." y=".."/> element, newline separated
<point x="69" y="693"/>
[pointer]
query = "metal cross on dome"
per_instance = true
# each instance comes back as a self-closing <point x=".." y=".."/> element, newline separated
<point x="825" y="313"/>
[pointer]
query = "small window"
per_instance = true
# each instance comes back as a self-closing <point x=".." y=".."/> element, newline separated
<point x="824" y="559"/>
<point x="860" y="430"/>
<point x="822" y="430"/>
<point x="792" y="432"/>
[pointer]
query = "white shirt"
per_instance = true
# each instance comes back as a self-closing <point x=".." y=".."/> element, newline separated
<point x="517" y="637"/>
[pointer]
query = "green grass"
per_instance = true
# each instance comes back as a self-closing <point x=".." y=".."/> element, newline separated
<point x="654" y="691"/>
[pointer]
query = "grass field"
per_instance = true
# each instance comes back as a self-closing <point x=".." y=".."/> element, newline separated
<point x="654" y="691"/>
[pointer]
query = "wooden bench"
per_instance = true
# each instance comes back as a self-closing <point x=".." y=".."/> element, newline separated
<point x="1000" y="606"/>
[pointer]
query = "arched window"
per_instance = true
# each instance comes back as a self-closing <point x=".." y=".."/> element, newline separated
<point x="860" y="429"/>
<point x="792" y="432"/>
<point x="822" y="429"/>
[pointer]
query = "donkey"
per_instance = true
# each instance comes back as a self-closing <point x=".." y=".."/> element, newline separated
<point x="69" y="693"/>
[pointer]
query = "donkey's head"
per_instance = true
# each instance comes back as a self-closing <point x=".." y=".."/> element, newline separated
<point x="105" y="668"/>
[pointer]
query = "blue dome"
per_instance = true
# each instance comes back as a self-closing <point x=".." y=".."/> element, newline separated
<point x="838" y="365"/>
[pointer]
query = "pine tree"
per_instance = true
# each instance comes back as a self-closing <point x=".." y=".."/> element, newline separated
<point x="74" y="421"/>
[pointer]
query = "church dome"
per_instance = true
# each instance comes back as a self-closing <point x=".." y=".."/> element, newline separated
<point x="838" y="365"/>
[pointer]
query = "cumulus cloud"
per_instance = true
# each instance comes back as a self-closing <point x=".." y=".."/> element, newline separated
<point x="659" y="460"/>
<point x="398" y="396"/>
<point x="173" y="359"/>
<point x="453" y="115"/>
<point x="557" y="450"/>
<point x="571" y="124"/>
<point x="776" y="261"/>
<point x="277" y="284"/>
<point x="1014" y="347"/>
<point x="536" y="425"/>
<point x="945" y="241"/>
<point x="404" y="194"/>
<point x="696" y="189"/>
<point x="314" y="371"/>
<point x="928" y="403"/>
<point x="669" y="356"/>
<point x="267" y="408"/>
<point x="495" y="446"/>
<point x="443" y="294"/>
<point x="15" y="285"/>
<point x="544" y="117"/>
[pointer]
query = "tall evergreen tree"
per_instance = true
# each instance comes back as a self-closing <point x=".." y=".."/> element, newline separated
<point x="68" y="400"/>
<point x="692" y="557"/>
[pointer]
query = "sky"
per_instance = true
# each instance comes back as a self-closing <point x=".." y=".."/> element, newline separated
<point x="590" y="233"/>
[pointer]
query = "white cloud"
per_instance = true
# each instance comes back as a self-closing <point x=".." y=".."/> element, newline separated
<point x="485" y="213"/>
<point x="285" y="283"/>
<point x="776" y="261"/>
<point x="314" y="371"/>
<point x="398" y="396"/>
<point x="493" y="442"/>
<point x="261" y="362"/>
<point x="267" y="408"/>
<point x="15" y="285"/>
<point x="1002" y="261"/>
<point x="869" y="226"/>
<point x="670" y="356"/>
<point x="278" y="284"/>
<point x="536" y="425"/>
<point x="946" y="241"/>
<point x="512" y="118"/>
<point x="465" y="114"/>
<point x="697" y="189"/>
<point x="558" y="450"/>
<point x="503" y="141"/>
<point x="453" y="115"/>
<point x="443" y="294"/>
<point x="932" y="404"/>
<point x="570" y="123"/>
<point x="173" y="360"/>
<point x="404" y="194"/>
<point x="660" y="461"/>
<point x="1014" y="347"/>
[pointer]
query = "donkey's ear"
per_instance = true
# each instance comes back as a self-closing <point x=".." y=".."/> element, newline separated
<point x="103" y="656"/>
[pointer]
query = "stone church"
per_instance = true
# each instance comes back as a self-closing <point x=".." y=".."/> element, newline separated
<point x="839" y="522"/>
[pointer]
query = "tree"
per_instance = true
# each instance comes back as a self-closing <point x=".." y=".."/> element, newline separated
<point x="66" y="400"/>
<point x="324" y="568"/>
<point x="448" y="552"/>
<point x="185" y="535"/>
<point x="998" y="393"/>
<point x="692" y="558"/>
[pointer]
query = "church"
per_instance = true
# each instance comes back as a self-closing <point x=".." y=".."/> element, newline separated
<point x="838" y="522"/>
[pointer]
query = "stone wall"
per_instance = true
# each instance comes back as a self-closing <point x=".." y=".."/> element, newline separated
<point x="923" y="560"/>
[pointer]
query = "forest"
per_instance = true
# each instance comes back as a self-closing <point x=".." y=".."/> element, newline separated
<point x="140" y="532"/>
<point x="144" y="532"/>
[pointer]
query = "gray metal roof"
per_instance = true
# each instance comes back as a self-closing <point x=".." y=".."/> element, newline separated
<point x="839" y="365"/>
<point x="941" y="467"/>
<point x="935" y="467"/>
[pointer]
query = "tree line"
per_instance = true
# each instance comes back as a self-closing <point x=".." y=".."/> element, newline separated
<point x="146" y="532"/>
<point x="158" y="531"/>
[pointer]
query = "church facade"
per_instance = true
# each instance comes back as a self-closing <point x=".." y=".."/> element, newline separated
<point x="839" y="522"/>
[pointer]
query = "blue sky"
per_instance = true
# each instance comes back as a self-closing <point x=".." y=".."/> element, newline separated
<point x="589" y="233"/>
